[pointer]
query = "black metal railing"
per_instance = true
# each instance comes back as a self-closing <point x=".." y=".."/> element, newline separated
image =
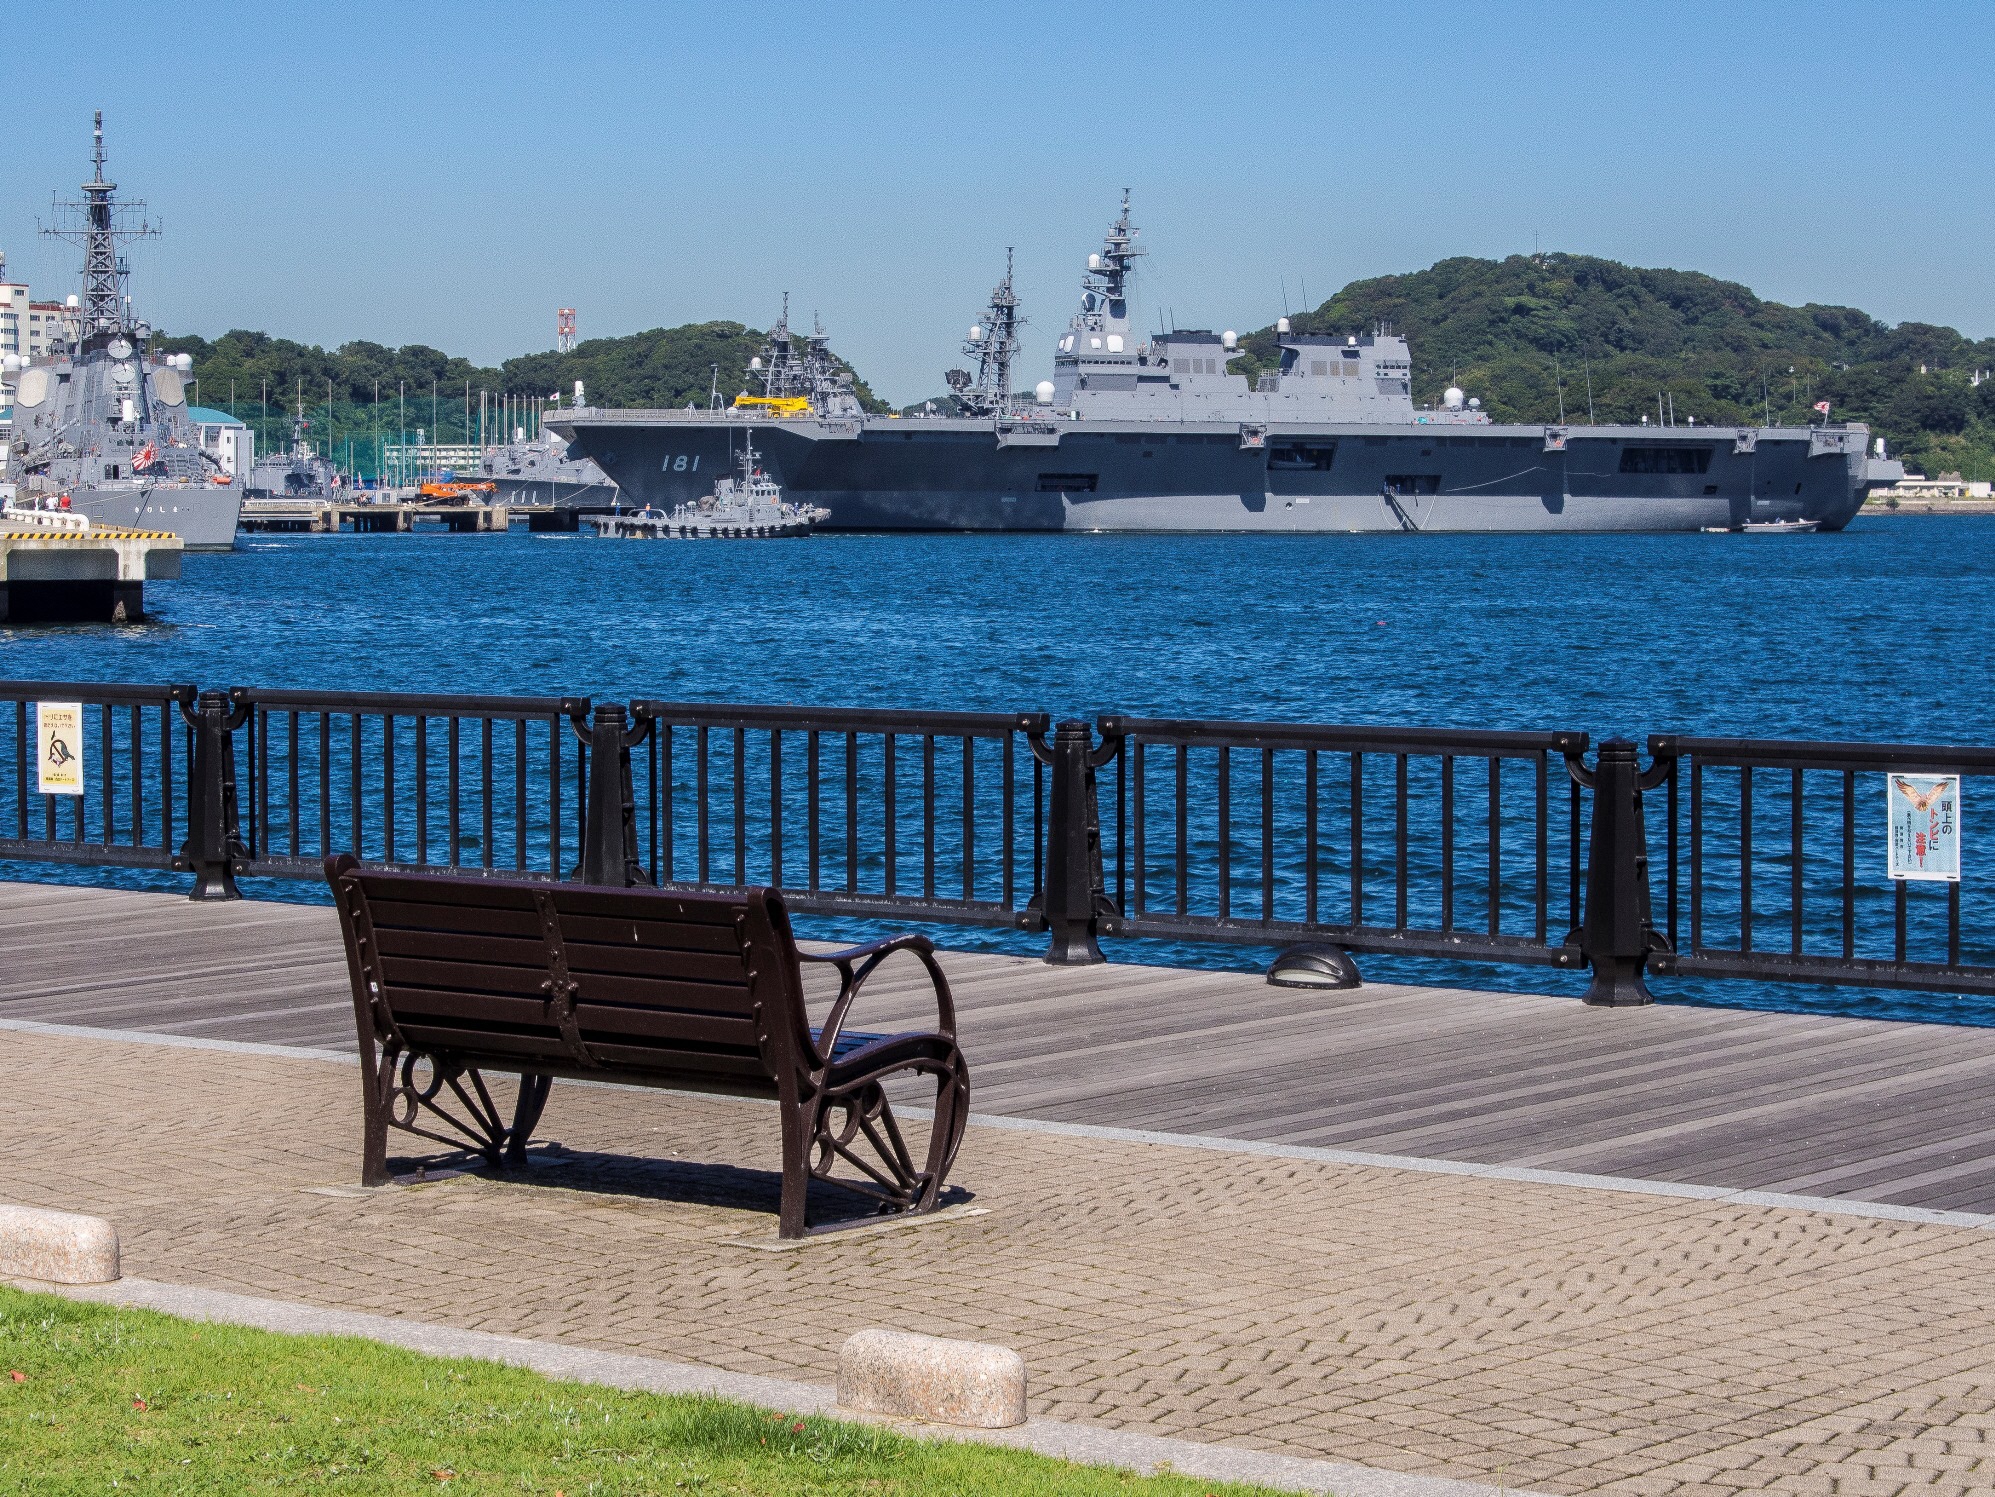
<point x="1777" y="868"/>
<point x="1426" y="842"/>
<point x="134" y="814"/>
<point x="1477" y="846"/>
<point x="463" y="784"/>
<point x="929" y="815"/>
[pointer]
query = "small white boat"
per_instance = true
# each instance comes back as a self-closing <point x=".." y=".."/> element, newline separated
<point x="1781" y="527"/>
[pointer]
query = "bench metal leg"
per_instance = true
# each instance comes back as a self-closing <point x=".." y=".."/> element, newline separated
<point x="526" y="1116"/>
<point x="373" y="1121"/>
<point x="793" y="1220"/>
<point x="854" y="1122"/>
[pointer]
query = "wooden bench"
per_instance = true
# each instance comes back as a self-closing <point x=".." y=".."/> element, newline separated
<point x="454" y="977"/>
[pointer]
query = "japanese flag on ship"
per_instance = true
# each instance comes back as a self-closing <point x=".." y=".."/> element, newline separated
<point x="1822" y="406"/>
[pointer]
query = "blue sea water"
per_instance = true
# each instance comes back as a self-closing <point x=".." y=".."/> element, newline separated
<point x="1884" y="632"/>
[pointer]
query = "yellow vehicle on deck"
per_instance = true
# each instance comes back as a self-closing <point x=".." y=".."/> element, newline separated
<point x="779" y="406"/>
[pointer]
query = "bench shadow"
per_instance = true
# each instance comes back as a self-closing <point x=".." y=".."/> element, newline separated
<point x="683" y="1182"/>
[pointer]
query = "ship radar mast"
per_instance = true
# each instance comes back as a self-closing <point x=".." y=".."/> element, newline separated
<point x="781" y="378"/>
<point x="100" y="224"/>
<point x="1105" y="285"/>
<point x="993" y="343"/>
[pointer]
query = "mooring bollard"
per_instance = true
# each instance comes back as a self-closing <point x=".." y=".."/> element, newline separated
<point x="1615" y="932"/>
<point x="1074" y="894"/>
<point x="609" y="830"/>
<point x="214" y="840"/>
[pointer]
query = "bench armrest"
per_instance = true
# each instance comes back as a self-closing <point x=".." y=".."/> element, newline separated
<point x="857" y="963"/>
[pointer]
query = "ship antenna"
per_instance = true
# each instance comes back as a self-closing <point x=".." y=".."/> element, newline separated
<point x="98" y="223"/>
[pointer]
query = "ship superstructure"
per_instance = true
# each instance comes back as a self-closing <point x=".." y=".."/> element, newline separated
<point x="102" y="428"/>
<point x="298" y="471"/>
<point x="1155" y="432"/>
<point x="993" y="343"/>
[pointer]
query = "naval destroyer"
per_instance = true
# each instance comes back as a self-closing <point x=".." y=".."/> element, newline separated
<point x="102" y="426"/>
<point x="1155" y="432"/>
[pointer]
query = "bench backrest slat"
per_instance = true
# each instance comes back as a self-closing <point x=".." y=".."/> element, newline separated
<point x="656" y="983"/>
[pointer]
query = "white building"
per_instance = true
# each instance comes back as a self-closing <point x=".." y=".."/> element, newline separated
<point x="13" y="315"/>
<point x="226" y="439"/>
<point x="51" y="328"/>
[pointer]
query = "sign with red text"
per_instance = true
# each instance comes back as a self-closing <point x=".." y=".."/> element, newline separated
<point x="1922" y="812"/>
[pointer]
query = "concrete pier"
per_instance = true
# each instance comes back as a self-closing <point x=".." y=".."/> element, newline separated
<point x="320" y="517"/>
<point x="94" y="575"/>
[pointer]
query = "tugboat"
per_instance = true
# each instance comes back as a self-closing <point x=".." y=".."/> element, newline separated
<point x="750" y="507"/>
<point x="103" y="425"/>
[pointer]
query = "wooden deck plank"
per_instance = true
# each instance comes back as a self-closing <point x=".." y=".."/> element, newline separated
<point x="1790" y="1102"/>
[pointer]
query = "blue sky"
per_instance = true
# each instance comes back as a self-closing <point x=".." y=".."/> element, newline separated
<point x="450" y="173"/>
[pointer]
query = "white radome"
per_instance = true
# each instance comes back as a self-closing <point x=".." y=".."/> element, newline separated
<point x="1281" y="324"/>
<point x="976" y="333"/>
<point x="1044" y="390"/>
<point x="1229" y="339"/>
<point x="1452" y="397"/>
<point x="756" y="362"/>
<point x="1094" y="262"/>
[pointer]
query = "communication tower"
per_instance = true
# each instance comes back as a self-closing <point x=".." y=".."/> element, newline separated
<point x="564" y="329"/>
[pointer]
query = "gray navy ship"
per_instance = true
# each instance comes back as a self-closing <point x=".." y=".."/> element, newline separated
<point x="531" y="471"/>
<point x="102" y="427"/>
<point x="297" y="472"/>
<point x="1154" y="433"/>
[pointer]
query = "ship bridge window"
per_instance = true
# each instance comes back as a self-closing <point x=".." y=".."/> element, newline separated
<point x="1319" y="366"/>
<point x="1094" y="343"/>
<point x="1067" y="483"/>
<point x="1665" y="459"/>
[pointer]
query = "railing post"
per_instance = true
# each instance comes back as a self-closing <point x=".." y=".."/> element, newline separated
<point x="214" y="834"/>
<point x="1616" y="935"/>
<point x="1075" y="891"/>
<point x="609" y="832"/>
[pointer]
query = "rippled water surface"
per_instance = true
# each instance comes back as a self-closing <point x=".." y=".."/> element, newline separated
<point x="1883" y="632"/>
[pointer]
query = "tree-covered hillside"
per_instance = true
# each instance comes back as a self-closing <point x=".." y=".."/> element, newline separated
<point x="1513" y="331"/>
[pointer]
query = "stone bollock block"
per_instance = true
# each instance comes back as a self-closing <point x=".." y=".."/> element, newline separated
<point x="57" y="1247"/>
<point x="908" y="1376"/>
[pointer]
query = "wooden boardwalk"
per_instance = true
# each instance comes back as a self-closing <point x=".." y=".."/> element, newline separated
<point x="1899" y="1113"/>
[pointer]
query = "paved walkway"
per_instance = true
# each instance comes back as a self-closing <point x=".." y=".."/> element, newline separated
<point x="1499" y="1330"/>
<point x="1790" y="1103"/>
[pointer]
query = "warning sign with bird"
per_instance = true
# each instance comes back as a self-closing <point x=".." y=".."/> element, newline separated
<point x="59" y="747"/>
<point x="1923" y="814"/>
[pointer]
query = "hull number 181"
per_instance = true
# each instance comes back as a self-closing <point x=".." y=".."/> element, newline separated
<point x="680" y="464"/>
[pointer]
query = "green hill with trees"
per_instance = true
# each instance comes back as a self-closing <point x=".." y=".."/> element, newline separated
<point x="1525" y="332"/>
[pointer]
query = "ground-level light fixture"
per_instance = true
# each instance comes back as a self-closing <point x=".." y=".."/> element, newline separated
<point x="1314" y="967"/>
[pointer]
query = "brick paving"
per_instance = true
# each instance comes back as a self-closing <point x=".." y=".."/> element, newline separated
<point x="1527" y="1334"/>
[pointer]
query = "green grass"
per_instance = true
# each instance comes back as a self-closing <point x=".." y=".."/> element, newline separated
<point x="112" y="1400"/>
